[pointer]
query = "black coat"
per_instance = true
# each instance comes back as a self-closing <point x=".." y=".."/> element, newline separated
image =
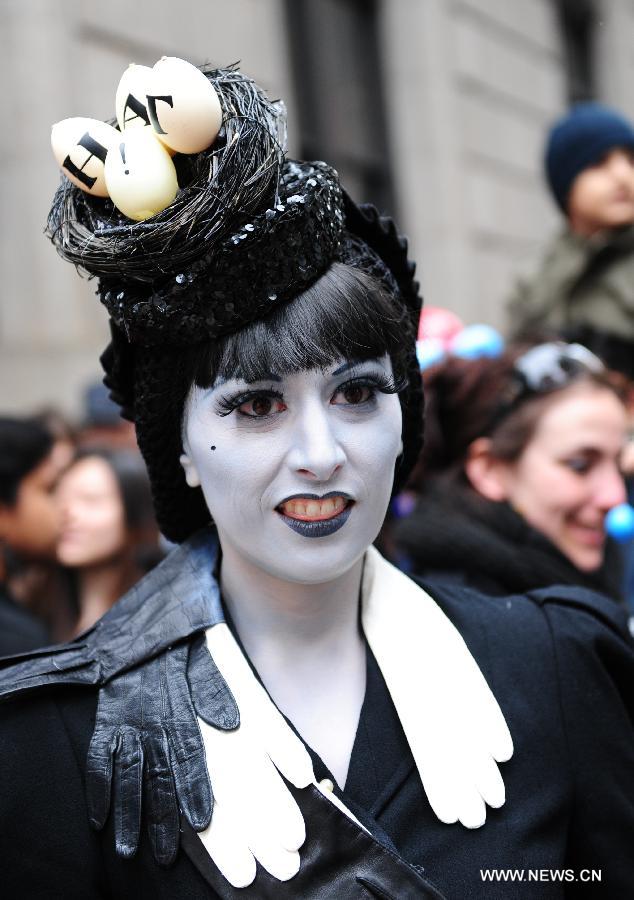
<point x="563" y="673"/>
<point x="454" y="535"/>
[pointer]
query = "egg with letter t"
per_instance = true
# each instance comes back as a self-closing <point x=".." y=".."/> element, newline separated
<point x="183" y="106"/>
<point x="140" y="175"/>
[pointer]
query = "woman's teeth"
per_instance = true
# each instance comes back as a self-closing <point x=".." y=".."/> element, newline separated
<point x="313" y="510"/>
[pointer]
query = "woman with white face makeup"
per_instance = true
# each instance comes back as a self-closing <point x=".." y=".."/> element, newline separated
<point x="523" y="465"/>
<point x="275" y="711"/>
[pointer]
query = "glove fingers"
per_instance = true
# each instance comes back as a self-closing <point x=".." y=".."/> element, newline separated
<point x="227" y="845"/>
<point x="189" y="768"/>
<point x="288" y="752"/>
<point x="161" y="807"/>
<point x="127" y="791"/>
<point x="99" y="775"/>
<point x="277" y="819"/>
<point x="211" y="696"/>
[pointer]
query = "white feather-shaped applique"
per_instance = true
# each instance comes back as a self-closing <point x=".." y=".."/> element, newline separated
<point x="451" y="719"/>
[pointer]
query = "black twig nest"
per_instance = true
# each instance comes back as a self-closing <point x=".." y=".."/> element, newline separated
<point x="218" y="186"/>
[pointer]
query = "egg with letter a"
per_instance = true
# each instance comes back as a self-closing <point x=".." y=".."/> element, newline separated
<point x="183" y="106"/>
<point x="140" y="175"/>
<point x="81" y="147"/>
<point x="131" y="97"/>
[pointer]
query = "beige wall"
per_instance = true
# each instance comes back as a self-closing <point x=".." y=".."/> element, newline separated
<point x="483" y="78"/>
<point x="471" y="86"/>
<point x="64" y="58"/>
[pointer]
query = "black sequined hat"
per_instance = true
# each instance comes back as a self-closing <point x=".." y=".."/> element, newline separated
<point x="265" y="261"/>
<point x="249" y="230"/>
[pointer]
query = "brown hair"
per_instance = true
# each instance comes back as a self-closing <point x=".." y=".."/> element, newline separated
<point x="463" y="399"/>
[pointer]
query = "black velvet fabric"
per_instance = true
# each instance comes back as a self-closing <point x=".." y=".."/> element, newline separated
<point x="457" y="536"/>
<point x="562" y="670"/>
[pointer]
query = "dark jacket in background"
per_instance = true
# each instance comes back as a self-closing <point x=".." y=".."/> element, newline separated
<point x="584" y="290"/>
<point x="457" y="536"/>
<point x="19" y="630"/>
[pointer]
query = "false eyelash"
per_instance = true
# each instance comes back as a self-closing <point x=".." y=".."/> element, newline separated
<point x="380" y="381"/>
<point x="226" y="405"/>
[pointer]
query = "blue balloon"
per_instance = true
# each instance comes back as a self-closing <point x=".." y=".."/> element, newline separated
<point x="475" y="341"/>
<point x="619" y="522"/>
<point x="429" y="351"/>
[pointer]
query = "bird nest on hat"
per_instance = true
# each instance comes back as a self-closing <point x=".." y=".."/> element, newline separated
<point x="230" y="179"/>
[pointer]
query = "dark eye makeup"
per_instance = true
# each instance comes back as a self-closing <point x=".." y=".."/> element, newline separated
<point x="364" y="388"/>
<point x="262" y="403"/>
<point x="262" y="400"/>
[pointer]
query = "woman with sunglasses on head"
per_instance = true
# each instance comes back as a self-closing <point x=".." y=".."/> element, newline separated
<point x="275" y="711"/>
<point x="521" y="465"/>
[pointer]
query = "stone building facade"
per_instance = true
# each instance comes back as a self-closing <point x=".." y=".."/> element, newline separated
<point x="434" y="109"/>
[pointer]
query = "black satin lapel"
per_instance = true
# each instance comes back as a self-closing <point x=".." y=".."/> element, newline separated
<point x="339" y="861"/>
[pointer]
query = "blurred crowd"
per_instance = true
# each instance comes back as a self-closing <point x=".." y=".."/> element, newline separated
<point x="529" y="463"/>
<point x="528" y="467"/>
<point x="77" y="527"/>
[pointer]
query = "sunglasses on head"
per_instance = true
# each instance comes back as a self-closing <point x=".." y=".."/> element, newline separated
<point x="545" y="368"/>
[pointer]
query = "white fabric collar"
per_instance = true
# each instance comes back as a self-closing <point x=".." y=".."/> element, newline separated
<point x="452" y="722"/>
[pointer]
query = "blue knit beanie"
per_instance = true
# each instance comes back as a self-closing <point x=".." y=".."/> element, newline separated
<point x="579" y="140"/>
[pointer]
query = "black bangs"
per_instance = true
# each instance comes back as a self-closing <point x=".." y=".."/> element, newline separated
<point x="345" y="314"/>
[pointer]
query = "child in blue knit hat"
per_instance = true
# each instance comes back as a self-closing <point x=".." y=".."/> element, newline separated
<point x="584" y="289"/>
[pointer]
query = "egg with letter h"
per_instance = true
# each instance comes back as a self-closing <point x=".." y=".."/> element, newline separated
<point x="140" y="175"/>
<point x="81" y="146"/>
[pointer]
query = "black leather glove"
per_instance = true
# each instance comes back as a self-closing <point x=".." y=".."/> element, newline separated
<point x="147" y="737"/>
<point x="177" y="599"/>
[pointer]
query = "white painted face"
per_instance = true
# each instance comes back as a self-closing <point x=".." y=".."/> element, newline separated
<point x="297" y="471"/>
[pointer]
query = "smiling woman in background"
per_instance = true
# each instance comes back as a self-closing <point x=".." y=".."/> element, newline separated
<point x="521" y="466"/>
